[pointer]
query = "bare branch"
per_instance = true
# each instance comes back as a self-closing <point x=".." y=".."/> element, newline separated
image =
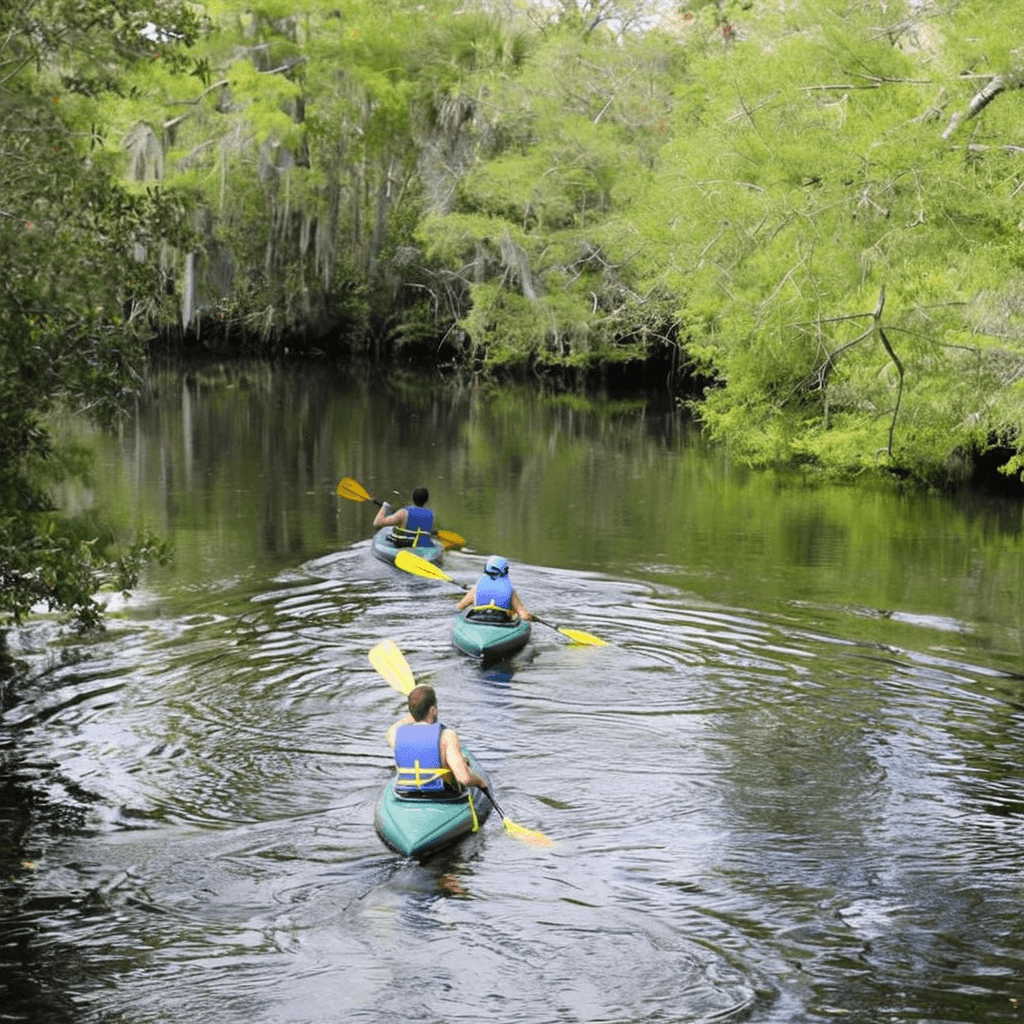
<point x="872" y="82"/>
<point x="818" y="378"/>
<point x="899" y="393"/>
<point x="282" y="68"/>
<point x="786" y="277"/>
<point x="726" y="181"/>
<point x="978" y="147"/>
<point x="996" y="84"/>
<point x="841" y="85"/>
<point x="748" y="112"/>
<point x="205" y="92"/>
<point x="704" y="251"/>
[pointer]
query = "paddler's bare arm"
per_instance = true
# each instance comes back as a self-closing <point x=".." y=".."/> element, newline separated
<point x="519" y="608"/>
<point x="385" y="517"/>
<point x="451" y="754"/>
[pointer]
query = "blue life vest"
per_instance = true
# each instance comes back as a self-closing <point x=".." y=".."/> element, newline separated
<point x="418" y="758"/>
<point x="416" y="531"/>
<point x="493" y="593"/>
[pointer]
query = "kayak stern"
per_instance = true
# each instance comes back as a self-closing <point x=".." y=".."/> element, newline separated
<point x="386" y="550"/>
<point x="489" y="641"/>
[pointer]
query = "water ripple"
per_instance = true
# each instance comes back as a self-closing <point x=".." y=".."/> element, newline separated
<point x="752" y="814"/>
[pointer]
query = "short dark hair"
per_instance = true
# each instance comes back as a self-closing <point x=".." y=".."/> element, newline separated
<point x="421" y="700"/>
<point x="420" y="496"/>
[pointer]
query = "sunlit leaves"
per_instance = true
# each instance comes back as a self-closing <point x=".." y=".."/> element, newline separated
<point x="849" y="188"/>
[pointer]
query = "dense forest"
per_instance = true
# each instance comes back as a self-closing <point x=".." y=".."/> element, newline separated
<point x="805" y="217"/>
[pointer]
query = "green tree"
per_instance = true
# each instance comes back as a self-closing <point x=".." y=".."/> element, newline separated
<point x="817" y="204"/>
<point x="550" y="231"/>
<point x="835" y="195"/>
<point x="304" y="134"/>
<point x="76" y="259"/>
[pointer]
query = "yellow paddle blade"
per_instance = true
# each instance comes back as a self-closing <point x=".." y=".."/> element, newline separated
<point x="451" y="539"/>
<point x="406" y="560"/>
<point x="527" y="835"/>
<point x="577" y="636"/>
<point x="390" y="662"/>
<point x="353" y="490"/>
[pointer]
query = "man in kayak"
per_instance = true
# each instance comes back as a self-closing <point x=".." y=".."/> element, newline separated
<point x="494" y="593"/>
<point x="410" y="526"/>
<point x="428" y="755"/>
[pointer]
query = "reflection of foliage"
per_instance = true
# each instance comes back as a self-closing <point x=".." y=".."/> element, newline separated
<point x="545" y="478"/>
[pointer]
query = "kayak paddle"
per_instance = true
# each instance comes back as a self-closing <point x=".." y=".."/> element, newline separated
<point x="389" y="661"/>
<point x="527" y="835"/>
<point x="355" y="491"/>
<point x="406" y="560"/>
<point x="576" y="635"/>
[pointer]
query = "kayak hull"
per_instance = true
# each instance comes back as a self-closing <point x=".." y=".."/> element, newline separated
<point x="489" y="641"/>
<point x="386" y="551"/>
<point x="421" y="826"/>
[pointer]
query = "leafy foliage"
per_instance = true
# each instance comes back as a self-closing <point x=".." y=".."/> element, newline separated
<point x="71" y="240"/>
<point x="858" y="195"/>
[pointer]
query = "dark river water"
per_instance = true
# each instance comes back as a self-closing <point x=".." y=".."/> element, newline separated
<point x="789" y="789"/>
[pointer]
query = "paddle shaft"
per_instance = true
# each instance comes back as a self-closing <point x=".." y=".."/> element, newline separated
<point x="576" y="635"/>
<point x="550" y="625"/>
<point x="490" y="796"/>
<point x="544" y="622"/>
<point x="355" y="491"/>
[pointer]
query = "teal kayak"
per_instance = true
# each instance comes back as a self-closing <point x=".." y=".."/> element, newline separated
<point x="385" y="549"/>
<point x="417" y="826"/>
<point x="486" y="639"/>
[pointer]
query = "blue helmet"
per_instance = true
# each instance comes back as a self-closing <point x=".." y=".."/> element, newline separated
<point x="496" y="566"/>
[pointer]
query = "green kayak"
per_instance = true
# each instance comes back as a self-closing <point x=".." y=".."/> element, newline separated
<point x="417" y="826"/>
<point x="385" y="549"/>
<point x="486" y="639"/>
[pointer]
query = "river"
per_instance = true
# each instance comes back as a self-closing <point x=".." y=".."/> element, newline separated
<point x="788" y="790"/>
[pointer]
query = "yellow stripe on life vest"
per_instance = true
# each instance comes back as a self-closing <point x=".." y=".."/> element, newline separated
<point x="404" y="534"/>
<point x="492" y="607"/>
<point x="420" y="777"/>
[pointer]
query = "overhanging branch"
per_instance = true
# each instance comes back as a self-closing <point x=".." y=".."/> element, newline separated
<point x="981" y="99"/>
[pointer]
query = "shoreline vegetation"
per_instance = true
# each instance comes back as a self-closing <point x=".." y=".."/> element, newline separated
<point x="805" y="219"/>
<point x="806" y="223"/>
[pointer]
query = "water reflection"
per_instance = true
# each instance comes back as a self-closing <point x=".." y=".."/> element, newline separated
<point x="788" y="789"/>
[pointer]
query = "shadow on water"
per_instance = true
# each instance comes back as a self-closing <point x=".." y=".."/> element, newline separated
<point x="788" y="790"/>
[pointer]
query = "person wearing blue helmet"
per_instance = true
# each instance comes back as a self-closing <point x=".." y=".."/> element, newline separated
<point x="493" y="594"/>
